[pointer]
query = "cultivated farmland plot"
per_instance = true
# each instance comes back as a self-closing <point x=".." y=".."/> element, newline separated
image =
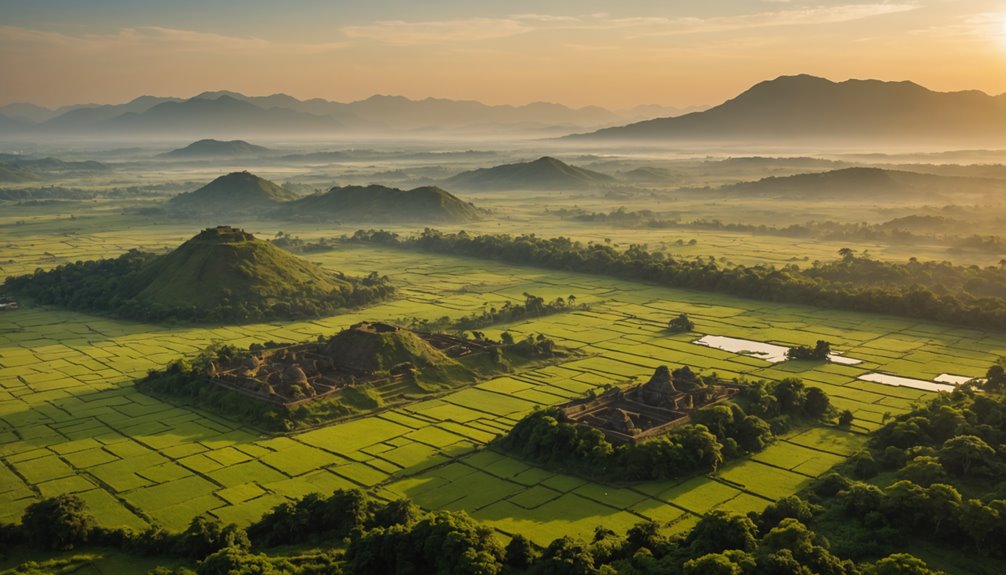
<point x="71" y="422"/>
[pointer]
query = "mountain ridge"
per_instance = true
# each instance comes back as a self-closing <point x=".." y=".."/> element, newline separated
<point x="810" y="107"/>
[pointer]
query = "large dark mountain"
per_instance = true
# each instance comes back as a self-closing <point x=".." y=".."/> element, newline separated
<point x="545" y="173"/>
<point x="816" y="109"/>
<point x="376" y="203"/>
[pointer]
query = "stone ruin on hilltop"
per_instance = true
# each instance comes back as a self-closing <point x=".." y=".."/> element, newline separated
<point x="292" y="375"/>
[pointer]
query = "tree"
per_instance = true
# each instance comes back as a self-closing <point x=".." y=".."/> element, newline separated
<point x="845" y="418"/>
<point x="924" y="470"/>
<point x="995" y="378"/>
<point x="789" y="507"/>
<point x="816" y="403"/>
<point x="566" y="556"/>
<point x="903" y="564"/>
<point x="719" y="531"/>
<point x="235" y="561"/>
<point x="206" y="535"/>
<point x="680" y="324"/>
<point x="519" y="552"/>
<point x="943" y="503"/>
<point x="58" y="522"/>
<point x="978" y="521"/>
<point x="820" y="352"/>
<point x="964" y="453"/>
<point x="712" y="564"/>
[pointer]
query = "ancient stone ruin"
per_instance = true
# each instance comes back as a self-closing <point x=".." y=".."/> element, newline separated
<point x="630" y="414"/>
<point x="295" y="374"/>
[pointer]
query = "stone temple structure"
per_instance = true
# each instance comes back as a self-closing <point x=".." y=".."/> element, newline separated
<point x="635" y="413"/>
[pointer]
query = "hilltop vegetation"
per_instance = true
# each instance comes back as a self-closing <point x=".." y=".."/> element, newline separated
<point x="233" y="192"/>
<point x="377" y="203"/>
<point x="545" y="173"/>
<point x="221" y="274"/>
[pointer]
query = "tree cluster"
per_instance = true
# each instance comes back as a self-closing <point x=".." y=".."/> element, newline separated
<point x="716" y="433"/>
<point x="819" y="352"/>
<point x="934" y="473"/>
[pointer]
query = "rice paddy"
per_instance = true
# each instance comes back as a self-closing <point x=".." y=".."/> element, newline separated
<point x="71" y="422"/>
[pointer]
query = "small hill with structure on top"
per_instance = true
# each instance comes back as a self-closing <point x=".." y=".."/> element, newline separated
<point x="215" y="149"/>
<point x="381" y="347"/>
<point x="365" y="367"/>
<point x="377" y="203"/>
<point x="234" y="192"/>
<point x="545" y="173"/>
<point x="221" y="274"/>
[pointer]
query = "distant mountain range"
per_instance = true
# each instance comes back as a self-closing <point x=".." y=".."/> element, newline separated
<point x="545" y="173"/>
<point x="816" y="109"/>
<point x="799" y="108"/>
<point x="231" y="113"/>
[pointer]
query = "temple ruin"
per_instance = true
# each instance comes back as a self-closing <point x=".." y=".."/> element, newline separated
<point x="630" y="414"/>
<point x="295" y="374"/>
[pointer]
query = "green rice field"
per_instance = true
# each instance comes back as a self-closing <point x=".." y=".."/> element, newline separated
<point x="71" y="422"/>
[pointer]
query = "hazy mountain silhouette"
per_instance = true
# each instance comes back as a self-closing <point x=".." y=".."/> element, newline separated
<point x="280" y="113"/>
<point x="810" y="108"/>
<point x="210" y="148"/>
<point x="237" y="191"/>
<point x="545" y="173"/>
<point x="84" y="117"/>
<point x="377" y="203"/>
<point x="872" y="183"/>
<point x="221" y="115"/>
<point x="20" y="169"/>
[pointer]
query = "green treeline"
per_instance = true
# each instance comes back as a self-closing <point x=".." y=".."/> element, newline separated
<point x="939" y="291"/>
<point x="904" y="230"/>
<point x="350" y="533"/>
<point x="715" y="434"/>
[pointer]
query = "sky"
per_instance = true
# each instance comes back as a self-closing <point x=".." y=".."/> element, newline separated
<point x="612" y="53"/>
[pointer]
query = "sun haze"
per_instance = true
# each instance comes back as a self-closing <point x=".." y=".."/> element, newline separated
<point x="612" y="54"/>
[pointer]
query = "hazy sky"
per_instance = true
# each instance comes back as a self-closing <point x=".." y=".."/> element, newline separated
<point x="577" y="52"/>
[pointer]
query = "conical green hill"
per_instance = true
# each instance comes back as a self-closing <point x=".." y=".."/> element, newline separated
<point x="226" y="266"/>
